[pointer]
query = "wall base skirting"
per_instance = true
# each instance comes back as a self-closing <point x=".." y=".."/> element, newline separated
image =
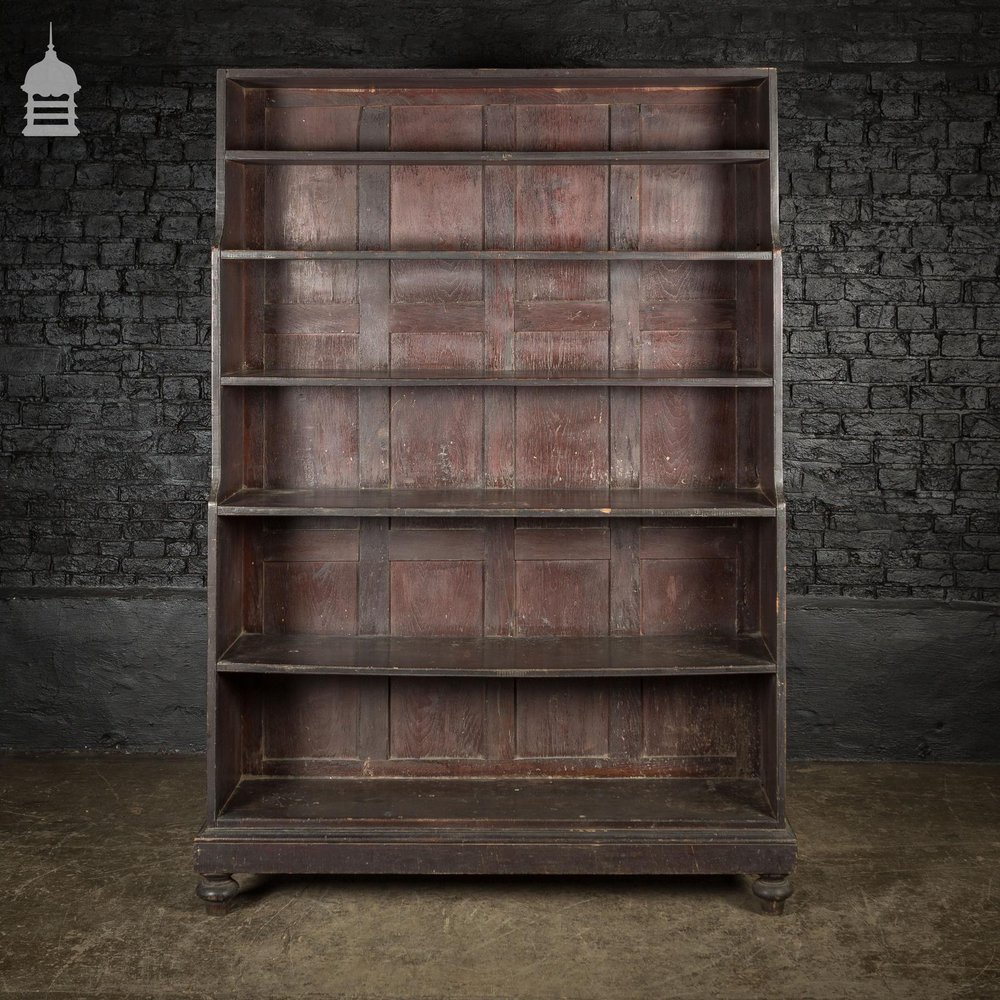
<point x="867" y="680"/>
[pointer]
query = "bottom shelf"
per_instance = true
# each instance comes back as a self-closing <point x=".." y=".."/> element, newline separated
<point x="585" y="804"/>
<point x="541" y="826"/>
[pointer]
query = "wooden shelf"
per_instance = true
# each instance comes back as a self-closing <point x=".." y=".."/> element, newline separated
<point x="648" y="82"/>
<point x="631" y="656"/>
<point x="496" y="157"/>
<point x="537" y="256"/>
<point x="497" y="503"/>
<point x="510" y="805"/>
<point x="550" y="378"/>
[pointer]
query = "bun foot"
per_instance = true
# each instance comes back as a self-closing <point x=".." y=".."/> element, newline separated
<point x="217" y="892"/>
<point x="772" y="891"/>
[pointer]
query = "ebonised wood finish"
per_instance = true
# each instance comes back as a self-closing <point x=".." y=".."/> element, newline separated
<point x="497" y="526"/>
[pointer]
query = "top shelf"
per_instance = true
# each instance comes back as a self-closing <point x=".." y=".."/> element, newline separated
<point x="552" y="256"/>
<point x="497" y="157"/>
<point x="491" y="79"/>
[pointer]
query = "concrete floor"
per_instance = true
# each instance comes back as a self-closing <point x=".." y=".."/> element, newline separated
<point x="894" y="898"/>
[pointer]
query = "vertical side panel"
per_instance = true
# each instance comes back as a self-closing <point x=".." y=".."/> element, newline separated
<point x="499" y="578"/>
<point x="625" y="290"/>
<point x="775" y="735"/>
<point x="225" y="594"/>
<point x="373" y="619"/>
<point x="625" y="724"/>
<point x="498" y="234"/>
<point x="373" y="300"/>
<point x="498" y="353"/>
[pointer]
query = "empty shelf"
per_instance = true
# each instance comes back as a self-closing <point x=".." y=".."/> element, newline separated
<point x="498" y="656"/>
<point x="540" y="256"/>
<point x="498" y="503"/>
<point x="437" y="378"/>
<point x="497" y="157"/>
<point x="527" y="804"/>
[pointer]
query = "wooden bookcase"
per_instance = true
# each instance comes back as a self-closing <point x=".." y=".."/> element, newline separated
<point x="496" y="524"/>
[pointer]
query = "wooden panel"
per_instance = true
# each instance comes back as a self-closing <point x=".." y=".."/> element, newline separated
<point x="436" y="317"/>
<point x="373" y="577"/>
<point x="562" y="208"/>
<point x="437" y="437"/>
<point x="311" y="208"/>
<point x="436" y="208"/>
<point x="678" y="281"/>
<point x="555" y="126"/>
<point x="561" y="281"/>
<point x="625" y="580"/>
<point x="688" y="208"/>
<point x="437" y="543"/>
<point x="432" y="351"/>
<point x="310" y="545"/>
<point x="317" y="352"/>
<point x="683" y="596"/>
<point x="688" y="437"/>
<point x="562" y="437"/>
<point x="562" y="597"/>
<point x="314" y="598"/>
<point x="437" y="718"/>
<point x="436" y="127"/>
<point x="311" y="438"/>
<point x="310" y="281"/>
<point x="697" y="717"/>
<point x="559" y="209"/>
<point x="562" y="316"/>
<point x="310" y="315"/>
<point x="702" y="119"/>
<point x="337" y="318"/>
<point x="437" y="314"/>
<point x="498" y="437"/>
<point x="562" y="718"/>
<point x="716" y="540"/>
<point x="499" y="234"/>
<point x="689" y="350"/>
<point x="437" y="598"/>
<point x="308" y="717"/>
<point x="330" y="127"/>
<point x="437" y="281"/>
<point x="688" y="316"/>
<point x="562" y="543"/>
<point x="499" y="581"/>
<point x="572" y="350"/>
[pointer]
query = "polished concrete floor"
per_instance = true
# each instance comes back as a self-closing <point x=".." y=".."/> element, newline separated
<point x="897" y="895"/>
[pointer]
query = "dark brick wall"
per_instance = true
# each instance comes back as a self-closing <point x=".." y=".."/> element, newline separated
<point x="890" y="176"/>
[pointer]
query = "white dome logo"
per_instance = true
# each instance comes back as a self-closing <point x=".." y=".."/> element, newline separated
<point x="51" y="86"/>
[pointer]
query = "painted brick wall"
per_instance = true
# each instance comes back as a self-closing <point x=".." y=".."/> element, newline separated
<point x="890" y="162"/>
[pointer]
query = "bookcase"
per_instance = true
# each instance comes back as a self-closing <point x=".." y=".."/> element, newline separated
<point x="496" y="528"/>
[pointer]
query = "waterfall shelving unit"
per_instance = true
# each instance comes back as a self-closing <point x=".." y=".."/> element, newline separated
<point x="496" y="524"/>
